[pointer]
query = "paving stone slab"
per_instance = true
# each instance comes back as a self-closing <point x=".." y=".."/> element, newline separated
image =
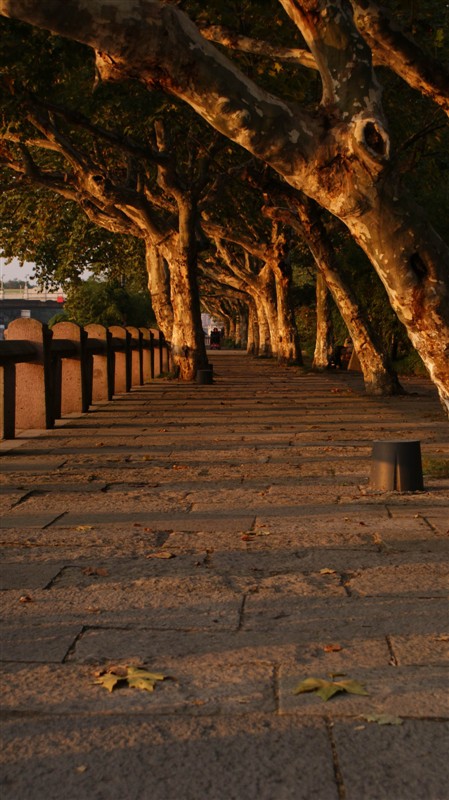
<point x="37" y="520"/>
<point x="233" y="520"/>
<point x="19" y="466"/>
<point x="196" y="684"/>
<point x="186" y="602"/>
<point x="109" y="758"/>
<point x="407" y="762"/>
<point x="28" y="576"/>
<point x="44" y="643"/>
<point x="397" y="691"/>
<point x="343" y="616"/>
<point x="421" y="580"/>
<point x="423" y="649"/>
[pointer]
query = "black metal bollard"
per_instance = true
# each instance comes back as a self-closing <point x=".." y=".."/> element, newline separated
<point x="205" y="376"/>
<point x="396" y="466"/>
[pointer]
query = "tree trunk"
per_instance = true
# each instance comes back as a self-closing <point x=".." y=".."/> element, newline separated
<point x="413" y="264"/>
<point x="289" y="348"/>
<point x="252" y="343"/>
<point x="379" y="376"/>
<point x="339" y="155"/>
<point x="159" y="287"/>
<point x="188" y="347"/>
<point x="324" y="342"/>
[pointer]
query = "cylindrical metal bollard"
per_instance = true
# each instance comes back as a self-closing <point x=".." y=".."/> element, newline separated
<point x="204" y="376"/>
<point x="396" y="466"/>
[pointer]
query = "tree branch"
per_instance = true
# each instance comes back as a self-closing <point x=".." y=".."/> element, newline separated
<point x="394" y="49"/>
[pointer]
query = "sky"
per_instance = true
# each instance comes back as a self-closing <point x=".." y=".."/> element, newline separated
<point x="13" y="271"/>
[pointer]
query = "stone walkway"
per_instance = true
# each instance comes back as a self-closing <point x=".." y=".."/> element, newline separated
<point x="226" y="536"/>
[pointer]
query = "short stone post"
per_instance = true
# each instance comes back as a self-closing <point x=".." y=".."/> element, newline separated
<point x="70" y="388"/>
<point x="147" y="352"/>
<point x="136" y="356"/>
<point x="158" y="361"/>
<point x="165" y="354"/>
<point x="100" y="367"/>
<point x="122" y="358"/>
<point x="7" y="401"/>
<point x="34" y="385"/>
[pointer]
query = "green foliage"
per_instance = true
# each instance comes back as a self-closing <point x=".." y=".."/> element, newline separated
<point x="107" y="303"/>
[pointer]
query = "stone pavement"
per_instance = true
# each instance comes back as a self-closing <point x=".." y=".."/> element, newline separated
<point x="283" y="565"/>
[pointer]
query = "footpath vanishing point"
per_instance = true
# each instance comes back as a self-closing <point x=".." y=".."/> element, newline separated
<point x="226" y="537"/>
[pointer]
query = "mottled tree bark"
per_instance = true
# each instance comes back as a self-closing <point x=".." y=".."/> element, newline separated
<point x="378" y="374"/>
<point x="324" y="342"/>
<point x="159" y="288"/>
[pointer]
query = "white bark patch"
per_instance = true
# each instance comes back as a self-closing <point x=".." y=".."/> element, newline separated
<point x="293" y="136"/>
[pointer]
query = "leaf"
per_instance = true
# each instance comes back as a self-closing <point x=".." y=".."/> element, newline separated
<point x="161" y="554"/>
<point x="96" y="571"/>
<point x="108" y="681"/>
<point x="327" y="689"/>
<point x="327" y="571"/>
<point x="332" y="648"/>
<point x="84" y="527"/>
<point x="384" y="719"/>
<point x="135" y="677"/>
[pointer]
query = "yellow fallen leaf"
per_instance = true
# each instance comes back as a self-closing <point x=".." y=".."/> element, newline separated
<point x="384" y="719"/>
<point x="84" y="527"/>
<point x="134" y="677"/>
<point x="96" y="571"/>
<point x="332" y="648"/>
<point x="161" y="554"/>
<point x="327" y="571"/>
<point x="327" y="689"/>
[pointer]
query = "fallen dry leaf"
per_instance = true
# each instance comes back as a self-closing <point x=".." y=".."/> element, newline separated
<point x="384" y="719"/>
<point x="84" y="527"/>
<point x="327" y="689"/>
<point x="25" y="598"/>
<point x="327" y="572"/>
<point x="161" y="554"/>
<point x="332" y="648"/>
<point x="96" y="571"/>
<point x="135" y="677"/>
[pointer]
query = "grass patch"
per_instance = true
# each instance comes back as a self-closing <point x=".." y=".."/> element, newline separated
<point x="436" y="467"/>
<point x="411" y="364"/>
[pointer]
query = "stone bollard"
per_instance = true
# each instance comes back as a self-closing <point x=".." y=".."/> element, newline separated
<point x="70" y="375"/>
<point x="166" y="360"/>
<point x="396" y="466"/>
<point x="158" y="359"/>
<point x="100" y="374"/>
<point x="147" y="352"/>
<point x="136" y="356"/>
<point x="122" y="359"/>
<point x="34" y="384"/>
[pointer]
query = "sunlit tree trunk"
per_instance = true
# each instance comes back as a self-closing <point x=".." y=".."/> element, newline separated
<point x="159" y="288"/>
<point x="324" y="342"/>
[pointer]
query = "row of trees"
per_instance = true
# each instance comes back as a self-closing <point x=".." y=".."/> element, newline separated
<point x="227" y="176"/>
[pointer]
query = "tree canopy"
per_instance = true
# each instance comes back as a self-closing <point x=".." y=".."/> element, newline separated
<point x="331" y="96"/>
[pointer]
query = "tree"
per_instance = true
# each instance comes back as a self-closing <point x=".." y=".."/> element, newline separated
<point x="338" y="153"/>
